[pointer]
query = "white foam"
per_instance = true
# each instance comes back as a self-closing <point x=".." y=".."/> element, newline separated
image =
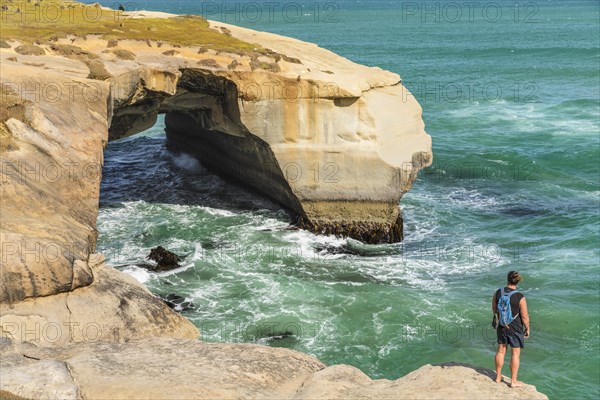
<point x="217" y="212"/>
<point x="138" y="273"/>
<point x="307" y="242"/>
<point x="198" y="252"/>
<point x="187" y="162"/>
<point x="472" y="198"/>
<point x="262" y="222"/>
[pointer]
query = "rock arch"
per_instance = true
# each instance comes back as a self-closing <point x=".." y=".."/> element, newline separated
<point x="336" y="143"/>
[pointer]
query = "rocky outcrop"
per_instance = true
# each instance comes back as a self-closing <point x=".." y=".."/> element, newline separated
<point x="343" y="142"/>
<point x="54" y="288"/>
<point x="185" y="369"/>
<point x="53" y="130"/>
<point x="164" y="260"/>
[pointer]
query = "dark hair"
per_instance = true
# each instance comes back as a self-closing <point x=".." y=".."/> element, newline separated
<point x="513" y="277"/>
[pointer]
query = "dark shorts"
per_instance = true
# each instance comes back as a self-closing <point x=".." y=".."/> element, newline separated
<point x="510" y="337"/>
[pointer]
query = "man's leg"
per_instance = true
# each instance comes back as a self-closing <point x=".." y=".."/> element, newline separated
<point x="500" y="360"/>
<point x="515" y="359"/>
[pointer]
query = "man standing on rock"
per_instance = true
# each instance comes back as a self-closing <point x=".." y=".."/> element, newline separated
<point x="513" y="326"/>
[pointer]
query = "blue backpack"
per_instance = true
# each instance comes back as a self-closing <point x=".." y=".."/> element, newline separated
<point x="505" y="316"/>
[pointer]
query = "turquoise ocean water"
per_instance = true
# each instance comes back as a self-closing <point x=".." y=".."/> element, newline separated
<point x="510" y="92"/>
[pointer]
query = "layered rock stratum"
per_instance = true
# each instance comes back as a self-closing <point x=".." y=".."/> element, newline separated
<point x="336" y="143"/>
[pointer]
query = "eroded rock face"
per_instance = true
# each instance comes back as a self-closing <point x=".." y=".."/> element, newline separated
<point x="54" y="127"/>
<point x="336" y="143"/>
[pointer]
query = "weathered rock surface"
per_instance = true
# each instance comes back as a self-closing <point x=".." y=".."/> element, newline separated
<point x="343" y="141"/>
<point x="449" y="381"/>
<point x="185" y="369"/>
<point x="53" y="129"/>
<point x="114" y="308"/>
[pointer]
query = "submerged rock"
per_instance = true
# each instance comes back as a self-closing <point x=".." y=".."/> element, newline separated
<point x="165" y="260"/>
<point x="178" y="303"/>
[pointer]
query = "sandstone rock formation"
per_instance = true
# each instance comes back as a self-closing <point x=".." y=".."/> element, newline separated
<point x="184" y="369"/>
<point x="54" y="127"/>
<point x="348" y="139"/>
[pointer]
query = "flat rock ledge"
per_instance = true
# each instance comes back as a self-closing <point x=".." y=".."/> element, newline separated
<point x="168" y="368"/>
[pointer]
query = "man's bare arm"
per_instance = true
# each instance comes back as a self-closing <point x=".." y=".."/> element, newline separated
<point x="524" y="315"/>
